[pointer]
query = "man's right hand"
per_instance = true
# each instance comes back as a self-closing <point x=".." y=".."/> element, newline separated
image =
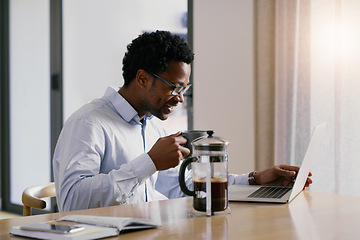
<point x="167" y="152"/>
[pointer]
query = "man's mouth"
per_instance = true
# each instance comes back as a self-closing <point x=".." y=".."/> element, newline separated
<point x="170" y="108"/>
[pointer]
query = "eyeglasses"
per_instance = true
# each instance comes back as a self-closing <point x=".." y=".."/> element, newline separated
<point x="176" y="90"/>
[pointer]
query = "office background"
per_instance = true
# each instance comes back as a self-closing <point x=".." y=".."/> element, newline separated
<point x="95" y="35"/>
<point x="227" y="39"/>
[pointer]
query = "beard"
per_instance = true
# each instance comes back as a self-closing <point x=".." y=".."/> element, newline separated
<point x="158" y="112"/>
<point x="156" y="106"/>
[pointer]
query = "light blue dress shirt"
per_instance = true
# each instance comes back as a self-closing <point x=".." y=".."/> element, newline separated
<point x="101" y="158"/>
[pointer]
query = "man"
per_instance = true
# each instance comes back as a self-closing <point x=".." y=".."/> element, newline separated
<point x="111" y="151"/>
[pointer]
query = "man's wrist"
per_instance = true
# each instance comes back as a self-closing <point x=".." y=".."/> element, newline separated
<point x="143" y="167"/>
<point x="251" y="178"/>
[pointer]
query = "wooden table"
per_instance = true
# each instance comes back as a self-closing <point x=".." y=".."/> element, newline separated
<point x="312" y="215"/>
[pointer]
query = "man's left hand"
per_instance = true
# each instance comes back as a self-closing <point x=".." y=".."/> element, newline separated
<point x="280" y="175"/>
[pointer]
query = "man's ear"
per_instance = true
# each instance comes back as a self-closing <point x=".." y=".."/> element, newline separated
<point x="142" y="78"/>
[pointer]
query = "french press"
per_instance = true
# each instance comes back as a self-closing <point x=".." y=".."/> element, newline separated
<point x="209" y="165"/>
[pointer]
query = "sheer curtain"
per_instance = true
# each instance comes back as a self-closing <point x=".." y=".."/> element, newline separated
<point x="307" y="72"/>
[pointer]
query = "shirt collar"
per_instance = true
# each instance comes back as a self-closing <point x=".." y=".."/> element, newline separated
<point x="122" y="106"/>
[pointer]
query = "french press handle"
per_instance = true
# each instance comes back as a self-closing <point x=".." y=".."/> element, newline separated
<point x="182" y="182"/>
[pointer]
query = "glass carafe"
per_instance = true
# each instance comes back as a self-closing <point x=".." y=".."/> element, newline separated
<point x="209" y="166"/>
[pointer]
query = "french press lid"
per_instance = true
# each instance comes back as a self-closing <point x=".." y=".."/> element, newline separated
<point x="210" y="143"/>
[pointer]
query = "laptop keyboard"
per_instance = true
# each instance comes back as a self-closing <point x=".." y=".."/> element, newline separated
<point x="270" y="192"/>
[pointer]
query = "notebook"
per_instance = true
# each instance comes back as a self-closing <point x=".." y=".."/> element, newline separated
<point x="280" y="194"/>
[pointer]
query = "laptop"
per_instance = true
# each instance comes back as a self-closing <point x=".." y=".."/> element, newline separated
<point x="280" y="194"/>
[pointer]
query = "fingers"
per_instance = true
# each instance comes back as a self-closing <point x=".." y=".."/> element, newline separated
<point x="281" y="175"/>
<point x="291" y="171"/>
<point x="175" y="134"/>
<point x="167" y="152"/>
<point x="289" y="167"/>
<point x="308" y="182"/>
<point x="178" y="142"/>
<point x="179" y="139"/>
<point x="286" y="171"/>
<point x="184" y="151"/>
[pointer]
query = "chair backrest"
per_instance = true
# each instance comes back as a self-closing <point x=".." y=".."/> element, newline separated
<point x="31" y="197"/>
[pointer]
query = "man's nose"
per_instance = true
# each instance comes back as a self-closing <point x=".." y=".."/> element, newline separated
<point x="180" y="97"/>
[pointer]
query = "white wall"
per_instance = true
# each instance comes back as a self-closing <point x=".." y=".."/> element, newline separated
<point x="223" y="76"/>
<point x="96" y="33"/>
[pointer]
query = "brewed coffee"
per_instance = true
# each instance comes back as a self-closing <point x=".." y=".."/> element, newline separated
<point x="219" y="194"/>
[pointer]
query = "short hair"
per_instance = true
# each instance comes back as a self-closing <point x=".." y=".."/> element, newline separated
<point x="153" y="52"/>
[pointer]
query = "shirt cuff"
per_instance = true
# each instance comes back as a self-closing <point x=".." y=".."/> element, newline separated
<point x="241" y="179"/>
<point x="143" y="166"/>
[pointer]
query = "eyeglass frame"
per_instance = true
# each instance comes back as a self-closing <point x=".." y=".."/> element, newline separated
<point x="182" y="90"/>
